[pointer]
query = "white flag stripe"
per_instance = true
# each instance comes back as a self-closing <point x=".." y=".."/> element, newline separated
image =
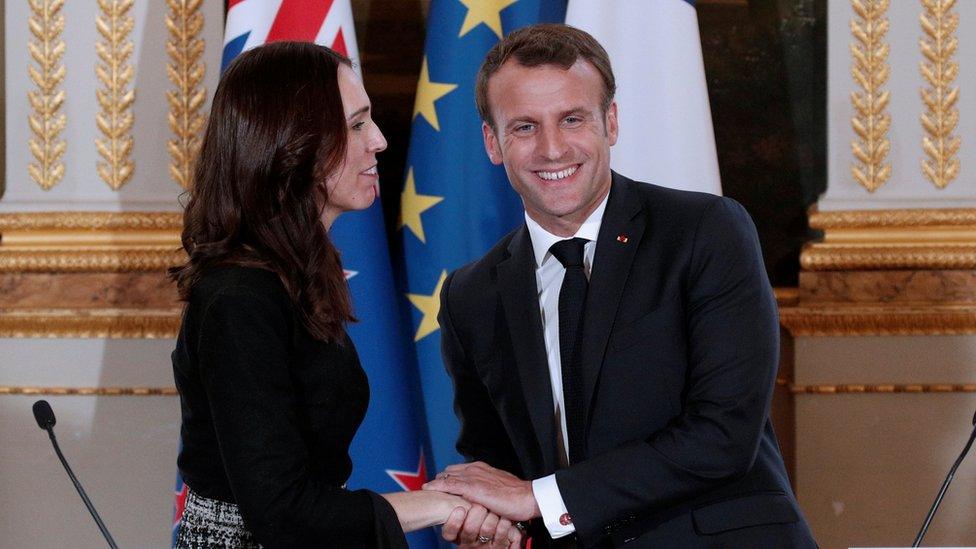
<point x="666" y="134"/>
<point x="340" y="16"/>
<point x="256" y="16"/>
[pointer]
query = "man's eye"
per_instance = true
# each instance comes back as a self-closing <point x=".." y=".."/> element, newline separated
<point x="522" y="128"/>
<point x="572" y="120"/>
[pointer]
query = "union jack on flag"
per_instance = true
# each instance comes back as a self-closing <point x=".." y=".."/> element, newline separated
<point x="251" y="23"/>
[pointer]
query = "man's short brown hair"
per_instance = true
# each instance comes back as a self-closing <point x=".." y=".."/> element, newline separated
<point x="544" y="44"/>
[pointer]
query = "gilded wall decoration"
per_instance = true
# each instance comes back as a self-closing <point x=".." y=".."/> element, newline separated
<point x="870" y="71"/>
<point x="46" y="119"/>
<point x="89" y="391"/>
<point x="90" y="323"/>
<point x="115" y="98"/>
<point x="883" y="388"/>
<point x="939" y="120"/>
<point x="186" y="72"/>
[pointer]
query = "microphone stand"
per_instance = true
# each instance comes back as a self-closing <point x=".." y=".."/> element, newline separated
<point x="945" y="487"/>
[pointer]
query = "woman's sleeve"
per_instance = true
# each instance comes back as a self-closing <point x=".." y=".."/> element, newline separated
<point x="243" y="356"/>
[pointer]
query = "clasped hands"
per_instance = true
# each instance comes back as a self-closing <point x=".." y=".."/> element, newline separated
<point x="499" y="499"/>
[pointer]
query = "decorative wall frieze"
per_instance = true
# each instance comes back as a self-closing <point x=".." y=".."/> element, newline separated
<point x="115" y="97"/>
<point x="46" y="121"/>
<point x="186" y="71"/>
<point x="90" y="323"/>
<point x="882" y="388"/>
<point x="870" y="71"/>
<point x="90" y="241"/>
<point x="892" y="218"/>
<point x="868" y="320"/>
<point x="88" y="391"/>
<point x="939" y="70"/>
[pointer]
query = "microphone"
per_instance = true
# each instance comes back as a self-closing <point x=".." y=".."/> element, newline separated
<point x="44" y="416"/>
<point x="945" y="487"/>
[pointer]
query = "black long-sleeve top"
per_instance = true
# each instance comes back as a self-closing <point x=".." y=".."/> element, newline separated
<point x="268" y="416"/>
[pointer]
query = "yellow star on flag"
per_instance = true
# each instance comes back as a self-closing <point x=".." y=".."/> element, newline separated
<point x="429" y="305"/>
<point x="427" y="93"/>
<point x="484" y="11"/>
<point x="412" y="205"/>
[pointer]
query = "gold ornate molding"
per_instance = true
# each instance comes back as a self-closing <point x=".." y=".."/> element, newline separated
<point x="90" y="241"/>
<point x="90" y="323"/>
<point x="870" y="71"/>
<point x="109" y="221"/>
<point x="89" y="391"/>
<point x="883" y="388"/>
<point x="115" y="98"/>
<point x="186" y="72"/>
<point x="941" y="116"/>
<point x="45" y="119"/>
<point x="875" y="320"/>
<point x="892" y="218"/>
<point x="840" y="257"/>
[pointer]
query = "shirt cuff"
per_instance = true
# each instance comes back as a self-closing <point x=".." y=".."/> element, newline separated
<point x="551" y="504"/>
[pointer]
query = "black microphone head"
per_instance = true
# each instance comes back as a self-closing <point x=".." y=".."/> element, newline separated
<point x="44" y="415"/>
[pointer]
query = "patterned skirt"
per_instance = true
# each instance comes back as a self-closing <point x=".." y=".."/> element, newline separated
<point x="212" y="524"/>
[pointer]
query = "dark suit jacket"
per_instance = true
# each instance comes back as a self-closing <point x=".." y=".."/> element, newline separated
<point x="679" y="355"/>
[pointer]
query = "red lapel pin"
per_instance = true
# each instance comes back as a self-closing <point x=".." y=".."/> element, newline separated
<point x="622" y="238"/>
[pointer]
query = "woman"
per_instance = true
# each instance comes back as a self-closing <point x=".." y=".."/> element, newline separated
<point x="270" y="385"/>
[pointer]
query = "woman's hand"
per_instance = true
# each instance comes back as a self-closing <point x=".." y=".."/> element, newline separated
<point x="480" y="528"/>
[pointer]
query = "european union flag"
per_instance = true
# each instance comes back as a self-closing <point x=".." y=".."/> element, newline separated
<point x="455" y="203"/>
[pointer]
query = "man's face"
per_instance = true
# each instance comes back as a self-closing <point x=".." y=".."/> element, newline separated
<point x="553" y="138"/>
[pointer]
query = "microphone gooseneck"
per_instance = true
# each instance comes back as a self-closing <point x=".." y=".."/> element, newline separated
<point x="44" y="416"/>
<point x="945" y="487"/>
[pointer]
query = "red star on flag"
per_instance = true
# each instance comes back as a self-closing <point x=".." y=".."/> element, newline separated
<point x="411" y="480"/>
<point x="180" y="503"/>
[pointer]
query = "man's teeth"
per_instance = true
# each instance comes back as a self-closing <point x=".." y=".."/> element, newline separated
<point x="371" y="171"/>
<point x="555" y="176"/>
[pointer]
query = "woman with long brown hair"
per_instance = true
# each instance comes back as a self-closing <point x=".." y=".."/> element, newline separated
<point x="271" y="387"/>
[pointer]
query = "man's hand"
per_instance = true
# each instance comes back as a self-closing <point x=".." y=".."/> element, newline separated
<point x="480" y="529"/>
<point x="499" y="491"/>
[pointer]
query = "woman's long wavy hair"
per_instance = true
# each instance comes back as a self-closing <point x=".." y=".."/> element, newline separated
<point x="277" y="130"/>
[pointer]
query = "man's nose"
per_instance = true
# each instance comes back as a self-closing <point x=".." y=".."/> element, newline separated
<point x="552" y="144"/>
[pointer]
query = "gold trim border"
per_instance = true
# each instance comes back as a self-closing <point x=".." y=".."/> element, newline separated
<point x="89" y="391"/>
<point x="94" y="323"/>
<point x="882" y="388"/>
<point x="107" y="221"/>
<point x="850" y="219"/>
<point x="82" y="261"/>
<point x="878" y="321"/>
<point x="844" y="257"/>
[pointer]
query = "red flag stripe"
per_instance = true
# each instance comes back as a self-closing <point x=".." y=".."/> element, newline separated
<point x="299" y="20"/>
<point x="339" y="44"/>
<point x="232" y="3"/>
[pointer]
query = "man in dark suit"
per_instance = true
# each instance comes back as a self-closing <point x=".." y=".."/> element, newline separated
<point x="614" y="358"/>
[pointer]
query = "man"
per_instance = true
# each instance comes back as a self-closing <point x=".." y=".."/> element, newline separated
<point x="619" y="350"/>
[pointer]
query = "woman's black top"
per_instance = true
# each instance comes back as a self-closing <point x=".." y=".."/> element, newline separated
<point x="268" y="415"/>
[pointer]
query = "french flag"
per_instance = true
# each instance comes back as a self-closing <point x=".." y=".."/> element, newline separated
<point x="666" y="135"/>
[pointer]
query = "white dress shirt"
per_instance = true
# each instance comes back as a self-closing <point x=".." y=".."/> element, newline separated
<point x="549" y="275"/>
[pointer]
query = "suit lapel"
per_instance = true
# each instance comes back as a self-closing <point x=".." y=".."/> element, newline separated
<point x="611" y="267"/>
<point x="517" y="287"/>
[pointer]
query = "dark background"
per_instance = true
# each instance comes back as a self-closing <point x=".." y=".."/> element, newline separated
<point x="765" y="63"/>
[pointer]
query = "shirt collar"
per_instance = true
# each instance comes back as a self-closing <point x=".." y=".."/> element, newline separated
<point x="542" y="239"/>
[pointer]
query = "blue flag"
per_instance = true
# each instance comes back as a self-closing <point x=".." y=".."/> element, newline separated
<point x="455" y="203"/>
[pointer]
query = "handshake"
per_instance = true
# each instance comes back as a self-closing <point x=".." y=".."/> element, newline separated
<point x="495" y="504"/>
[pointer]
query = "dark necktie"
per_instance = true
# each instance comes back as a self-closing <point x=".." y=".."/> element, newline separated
<point x="572" y="296"/>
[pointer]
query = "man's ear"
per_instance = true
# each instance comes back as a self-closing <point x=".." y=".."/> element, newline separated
<point x="491" y="144"/>
<point x="611" y="123"/>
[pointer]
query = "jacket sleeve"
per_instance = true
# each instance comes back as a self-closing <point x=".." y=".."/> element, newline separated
<point x="243" y="355"/>
<point x="482" y="435"/>
<point x="733" y="343"/>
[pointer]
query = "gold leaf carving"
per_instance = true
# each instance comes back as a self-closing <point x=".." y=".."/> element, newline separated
<point x="938" y="46"/>
<point x="186" y="72"/>
<point x="46" y="120"/>
<point x="870" y="71"/>
<point x="90" y="323"/>
<point x="884" y="388"/>
<point x="115" y="97"/>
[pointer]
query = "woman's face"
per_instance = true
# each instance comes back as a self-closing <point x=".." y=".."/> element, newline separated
<point x="356" y="185"/>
